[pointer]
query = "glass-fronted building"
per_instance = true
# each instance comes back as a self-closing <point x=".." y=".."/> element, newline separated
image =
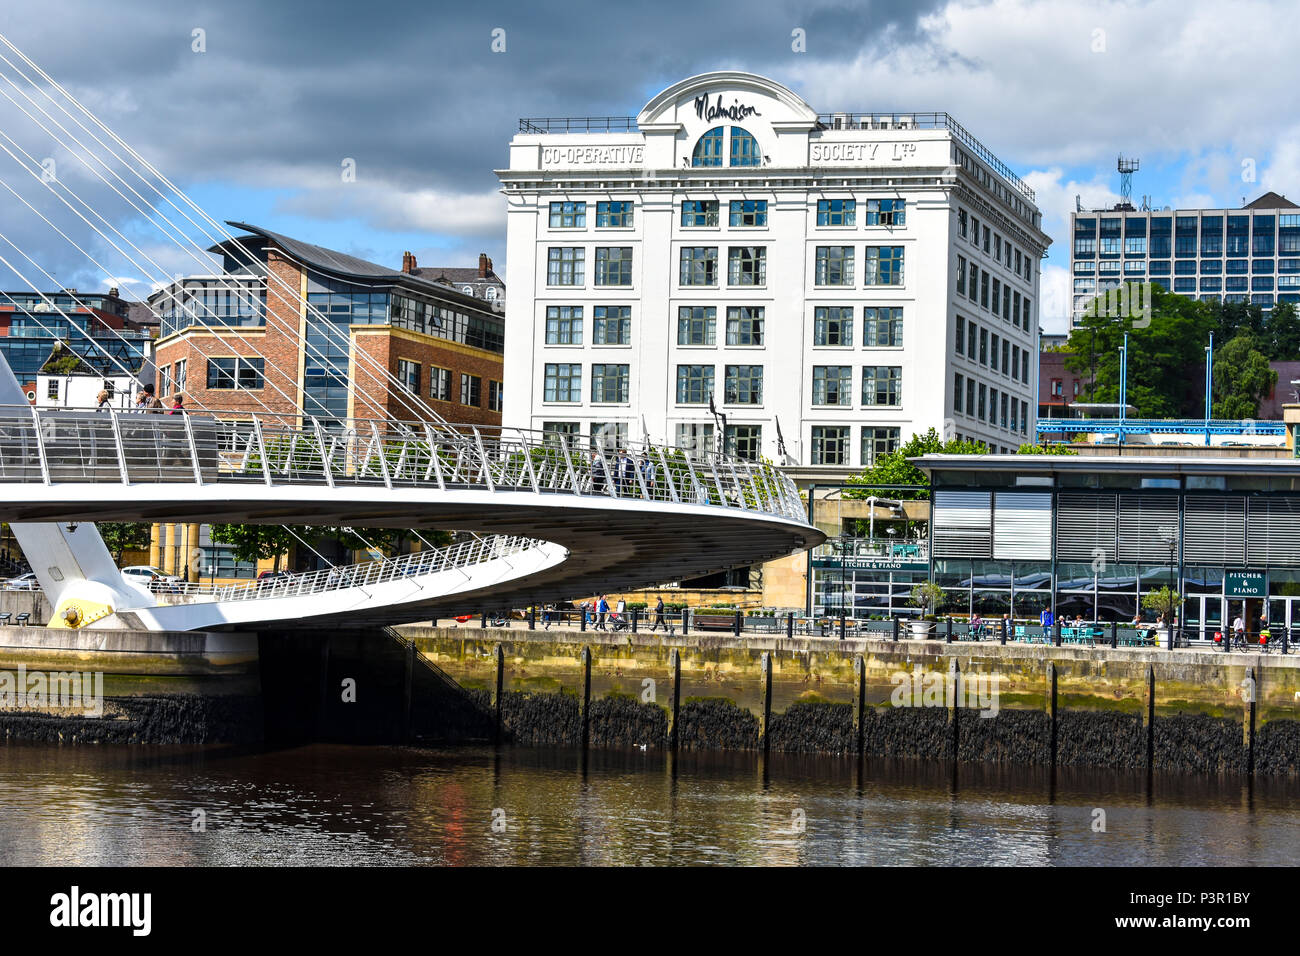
<point x="1090" y="536"/>
<point x="1249" y="256"/>
<point x="92" y="325"/>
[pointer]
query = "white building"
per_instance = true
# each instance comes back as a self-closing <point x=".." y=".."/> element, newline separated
<point x="1246" y="256"/>
<point x="851" y="278"/>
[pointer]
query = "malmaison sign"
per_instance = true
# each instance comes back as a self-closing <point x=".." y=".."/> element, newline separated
<point x="717" y="110"/>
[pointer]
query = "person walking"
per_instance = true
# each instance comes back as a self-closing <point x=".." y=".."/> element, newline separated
<point x="627" y="473"/>
<point x="659" y="616"/>
<point x="1046" y="620"/>
<point x="648" y="474"/>
<point x="597" y="473"/>
<point x="178" y="406"/>
<point x="102" y="401"/>
<point x="602" y="612"/>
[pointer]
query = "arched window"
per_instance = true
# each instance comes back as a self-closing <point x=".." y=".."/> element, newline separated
<point x="744" y="148"/>
<point x="708" y="151"/>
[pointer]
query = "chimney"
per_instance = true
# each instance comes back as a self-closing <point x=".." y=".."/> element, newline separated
<point x="484" y="265"/>
<point x="408" y="262"/>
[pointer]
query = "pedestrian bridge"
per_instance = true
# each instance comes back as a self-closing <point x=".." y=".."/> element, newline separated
<point x="552" y="522"/>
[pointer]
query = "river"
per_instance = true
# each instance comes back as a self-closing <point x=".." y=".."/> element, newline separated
<point x="328" y="804"/>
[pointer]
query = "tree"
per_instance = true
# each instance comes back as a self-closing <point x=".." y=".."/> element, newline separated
<point x="928" y="597"/>
<point x="1163" y="601"/>
<point x="1242" y="377"/>
<point x="1162" y="356"/>
<point x="895" y="469"/>
<point x="1283" y="334"/>
<point x="255" y="542"/>
<point x="1047" y="448"/>
<point x="121" y="536"/>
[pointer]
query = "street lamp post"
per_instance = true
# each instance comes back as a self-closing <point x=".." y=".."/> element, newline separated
<point x="1170" y="537"/>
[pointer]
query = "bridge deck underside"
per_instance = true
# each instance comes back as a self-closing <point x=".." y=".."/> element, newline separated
<point x="613" y="544"/>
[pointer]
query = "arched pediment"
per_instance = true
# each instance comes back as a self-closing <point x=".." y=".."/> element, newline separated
<point x="725" y="97"/>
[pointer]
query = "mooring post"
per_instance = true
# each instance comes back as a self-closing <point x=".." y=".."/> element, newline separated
<point x="947" y="631"/>
<point x="766" y="722"/>
<point x="789" y="625"/>
<point x="859" y="701"/>
<point x="532" y="617"/>
<point x="1252" y="695"/>
<point x="582" y="622"/>
<point x="686" y="620"/>
<point x="1006" y="626"/>
<point x="1056" y="633"/>
<point x="954" y="687"/>
<point x="635" y="615"/>
<point x="483" y="620"/>
<point x="675" y="665"/>
<point x="1052" y="682"/>
<point x="1286" y="638"/>
<point x="737" y="622"/>
<point x="1114" y="634"/>
<point x="407" y="681"/>
<point x="843" y="626"/>
<point x="500" y="687"/>
<point x="1151" y="717"/>
<point x="895" y="623"/>
<point x="586" y="696"/>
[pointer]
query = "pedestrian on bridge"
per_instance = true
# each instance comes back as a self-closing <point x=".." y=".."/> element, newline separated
<point x="597" y="473"/>
<point x="659" y="616"/>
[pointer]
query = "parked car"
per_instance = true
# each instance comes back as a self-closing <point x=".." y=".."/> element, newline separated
<point x="269" y="578"/>
<point x="24" y="582"/>
<point x="151" y="577"/>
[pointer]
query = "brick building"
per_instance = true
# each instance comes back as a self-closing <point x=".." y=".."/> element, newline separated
<point x="301" y="340"/>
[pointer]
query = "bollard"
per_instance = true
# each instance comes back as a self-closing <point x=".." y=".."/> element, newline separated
<point x="1286" y="638"/>
<point x="1114" y="633"/>
<point x="842" y="626"/>
<point x="675" y="663"/>
<point x="532" y="617"/>
<point x="586" y="696"/>
<point x="582" y="621"/>
<point x="767" y="702"/>
<point x="686" y="620"/>
<point x="483" y="621"/>
<point x="859" y="700"/>
<point x="947" y="634"/>
<point x="496" y="698"/>
<point x="1006" y="626"/>
<point x="635" y="614"/>
<point x="895" y="621"/>
<point x="736" y="624"/>
<point x="789" y="625"/>
<point x="1056" y="633"/>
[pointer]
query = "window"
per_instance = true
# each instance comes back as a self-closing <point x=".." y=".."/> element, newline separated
<point x="974" y="232"/>
<point x="699" y="212"/>
<point x="708" y="150"/>
<point x="1006" y="302"/>
<point x="565" y="265"/>
<point x="613" y="325"/>
<point x="563" y="383"/>
<point x="694" y="384"/>
<point x="164" y="381"/>
<point x="961" y="222"/>
<point x="1058" y="386"/>
<point x="408" y="373"/>
<point x="984" y="347"/>
<point x="1085" y="246"/>
<point x="495" y="403"/>
<point x="882" y="327"/>
<point x="958" y="391"/>
<point x="986" y="238"/>
<point x="699" y="265"/>
<point x="745" y="325"/>
<point x="440" y="384"/>
<point x="697" y="325"/>
<point x="890" y="212"/>
<point x="239" y="373"/>
<point x="695" y="437"/>
<point x="997" y="247"/>
<point x="882" y="385"/>
<point x="745" y="441"/>
<point x="614" y="215"/>
<point x="560" y="433"/>
<point x="744" y="148"/>
<point x="961" y="336"/>
<point x="832" y="385"/>
<point x="884" y="265"/>
<point x="974" y="282"/>
<point x="743" y="385"/>
<point x="836" y="212"/>
<point x="984" y="289"/>
<point x="609" y="383"/>
<point x="1006" y="356"/>
<point x="564" y="325"/>
<point x="833" y="325"/>
<point x="609" y="436"/>
<point x="568" y="215"/>
<point x="180" y="376"/>
<point x="994" y="352"/>
<point x="747" y="265"/>
<point x="613" y="265"/>
<point x="830" y="445"/>
<point x="471" y="390"/>
<point x="972" y="337"/>
<point x="52" y="389"/>
<point x="961" y="275"/>
<point x="878" y="442"/>
<point x="997" y="294"/>
<point x="748" y="212"/>
<point x="834" y="265"/>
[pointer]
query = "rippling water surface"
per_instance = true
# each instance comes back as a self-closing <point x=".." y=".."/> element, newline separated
<point x="388" y="805"/>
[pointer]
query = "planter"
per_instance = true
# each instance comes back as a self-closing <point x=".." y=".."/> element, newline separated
<point x="920" y="629"/>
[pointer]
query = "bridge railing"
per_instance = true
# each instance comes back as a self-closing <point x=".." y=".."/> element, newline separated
<point x="463" y="554"/>
<point x="129" y="447"/>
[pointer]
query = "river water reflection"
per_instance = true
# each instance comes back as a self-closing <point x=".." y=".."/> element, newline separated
<point x="326" y="804"/>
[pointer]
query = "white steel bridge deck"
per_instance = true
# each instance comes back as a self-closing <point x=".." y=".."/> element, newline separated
<point x="561" y="522"/>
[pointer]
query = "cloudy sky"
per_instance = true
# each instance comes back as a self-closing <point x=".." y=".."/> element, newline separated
<point x="253" y="107"/>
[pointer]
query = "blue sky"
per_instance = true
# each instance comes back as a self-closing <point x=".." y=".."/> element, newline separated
<point x="256" y="124"/>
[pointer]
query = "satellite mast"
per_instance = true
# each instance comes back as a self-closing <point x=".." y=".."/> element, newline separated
<point x="1126" y="168"/>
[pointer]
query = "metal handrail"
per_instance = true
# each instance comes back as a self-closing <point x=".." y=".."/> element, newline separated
<point x="55" y="446"/>
<point x="363" y="574"/>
